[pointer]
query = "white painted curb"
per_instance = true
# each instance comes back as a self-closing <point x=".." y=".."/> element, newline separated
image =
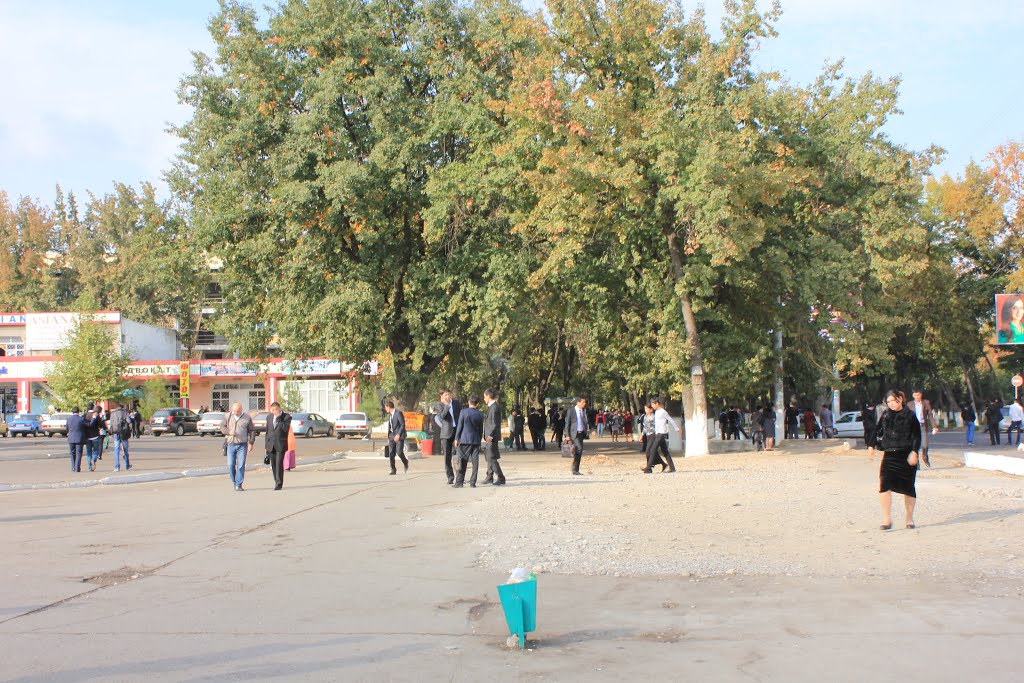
<point x="993" y="462"/>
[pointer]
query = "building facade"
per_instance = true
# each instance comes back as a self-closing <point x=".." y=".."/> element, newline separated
<point x="28" y="342"/>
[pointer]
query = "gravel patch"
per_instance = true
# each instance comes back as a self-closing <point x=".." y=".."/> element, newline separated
<point x="806" y="514"/>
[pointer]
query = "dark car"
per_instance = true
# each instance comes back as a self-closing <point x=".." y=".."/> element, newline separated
<point x="180" y="421"/>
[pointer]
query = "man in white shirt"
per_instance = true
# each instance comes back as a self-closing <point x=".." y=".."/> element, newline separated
<point x="659" y="441"/>
<point x="1016" y="422"/>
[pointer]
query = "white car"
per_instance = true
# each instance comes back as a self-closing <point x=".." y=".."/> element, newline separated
<point x="209" y="423"/>
<point x="352" y="423"/>
<point x="56" y="424"/>
<point x="849" y="425"/>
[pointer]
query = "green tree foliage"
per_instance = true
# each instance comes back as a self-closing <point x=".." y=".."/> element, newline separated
<point x="154" y="397"/>
<point x="290" y="397"/>
<point x="315" y="149"/>
<point x="89" y="368"/>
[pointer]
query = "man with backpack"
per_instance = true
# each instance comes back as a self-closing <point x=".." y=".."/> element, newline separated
<point x="120" y="426"/>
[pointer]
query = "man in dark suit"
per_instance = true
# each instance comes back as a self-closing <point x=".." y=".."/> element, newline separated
<point x="492" y="434"/>
<point x="396" y="436"/>
<point x="577" y="429"/>
<point x="276" y="441"/>
<point x="446" y="420"/>
<point x="468" y="434"/>
<point x="536" y="425"/>
<point x="76" y="439"/>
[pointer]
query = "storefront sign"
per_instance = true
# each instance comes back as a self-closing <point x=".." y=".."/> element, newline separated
<point x="12" y="318"/>
<point x="183" y="380"/>
<point x="227" y="368"/>
<point x="313" y="367"/>
<point x="51" y="331"/>
<point x="165" y="370"/>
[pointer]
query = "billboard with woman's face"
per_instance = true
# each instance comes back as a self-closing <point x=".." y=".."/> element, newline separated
<point x="1009" y="318"/>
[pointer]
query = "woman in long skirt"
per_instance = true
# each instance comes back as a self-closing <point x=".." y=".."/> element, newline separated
<point x="898" y="434"/>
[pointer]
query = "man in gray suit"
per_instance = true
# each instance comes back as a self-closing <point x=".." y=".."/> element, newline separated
<point x="492" y="434"/>
<point x="468" y="434"/>
<point x="576" y="431"/>
<point x="396" y="436"/>
<point x="446" y="421"/>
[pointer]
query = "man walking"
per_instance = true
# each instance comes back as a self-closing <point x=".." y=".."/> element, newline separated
<point x="969" y="416"/>
<point x="577" y="429"/>
<point x="659" y="441"/>
<point x="76" y="438"/>
<point x="923" y="410"/>
<point x="396" y="436"/>
<point x="492" y="434"/>
<point x="536" y="425"/>
<point x="468" y="434"/>
<point x="120" y="426"/>
<point x="993" y="415"/>
<point x="1016" y="422"/>
<point x="240" y="435"/>
<point x="446" y="421"/>
<point x="518" y="429"/>
<point x="827" y="421"/>
<point x="276" y="441"/>
<point x="92" y="422"/>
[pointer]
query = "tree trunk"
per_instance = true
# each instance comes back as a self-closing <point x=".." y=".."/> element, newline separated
<point x="696" y="409"/>
<point x="995" y="378"/>
<point x="970" y="387"/>
<point x="780" y="394"/>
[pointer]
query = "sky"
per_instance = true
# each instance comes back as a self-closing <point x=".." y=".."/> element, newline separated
<point x="87" y="90"/>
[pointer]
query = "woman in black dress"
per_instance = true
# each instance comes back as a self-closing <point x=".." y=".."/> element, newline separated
<point x="898" y="434"/>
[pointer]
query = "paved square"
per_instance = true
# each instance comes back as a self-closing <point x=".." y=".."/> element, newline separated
<point x="737" y="567"/>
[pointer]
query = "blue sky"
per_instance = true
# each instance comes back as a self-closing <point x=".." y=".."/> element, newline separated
<point x="89" y="88"/>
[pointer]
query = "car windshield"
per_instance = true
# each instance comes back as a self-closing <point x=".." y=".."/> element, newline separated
<point x="162" y="413"/>
<point x="261" y="416"/>
<point x="219" y="417"/>
<point x="352" y="416"/>
<point x="301" y="416"/>
<point x="60" y="416"/>
<point x="25" y="416"/>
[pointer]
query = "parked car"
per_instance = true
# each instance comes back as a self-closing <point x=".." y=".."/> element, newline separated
<point x="209" y="423"/>
<point x="177" y="420"/>
<point x="849" y="425"/>
<point x="352" y="423"/>
<point x="25" y="424"/>
<point x="56" y="424"/>
<point x="259" y="422"/>
<point x="310" y="424"/>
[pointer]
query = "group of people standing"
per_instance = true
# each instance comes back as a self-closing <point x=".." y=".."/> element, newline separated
<point x="464" y="431"/>
<point x="90" y="431"/>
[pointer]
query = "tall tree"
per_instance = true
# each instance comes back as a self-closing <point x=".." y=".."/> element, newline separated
<point x="308" y="164"/>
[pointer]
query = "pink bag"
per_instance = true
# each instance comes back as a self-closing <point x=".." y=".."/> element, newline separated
<point x="289" y="460"/>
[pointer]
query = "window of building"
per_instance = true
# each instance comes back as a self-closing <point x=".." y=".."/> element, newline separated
<point x="221" y="400"/>
<point x="174" y="391"/>
<point x="258" y="398"/>
<point x="325" y="396"/>
<point x="14" y="346"/>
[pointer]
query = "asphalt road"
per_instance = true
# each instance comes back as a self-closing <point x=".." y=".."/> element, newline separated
<point x="46" y="460"/>
<point x="341" y="576"/>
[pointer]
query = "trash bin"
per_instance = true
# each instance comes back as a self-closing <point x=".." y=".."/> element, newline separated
<point x="427" y="447"/>
<point x="519" y="600"/>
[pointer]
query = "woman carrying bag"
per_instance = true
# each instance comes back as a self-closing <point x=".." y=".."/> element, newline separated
<point x="289" y="455"/>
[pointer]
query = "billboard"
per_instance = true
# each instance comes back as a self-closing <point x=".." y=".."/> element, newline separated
<point x="1009" y="318"/>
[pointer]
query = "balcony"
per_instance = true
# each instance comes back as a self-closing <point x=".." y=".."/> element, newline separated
<point x="207" y="338"/>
